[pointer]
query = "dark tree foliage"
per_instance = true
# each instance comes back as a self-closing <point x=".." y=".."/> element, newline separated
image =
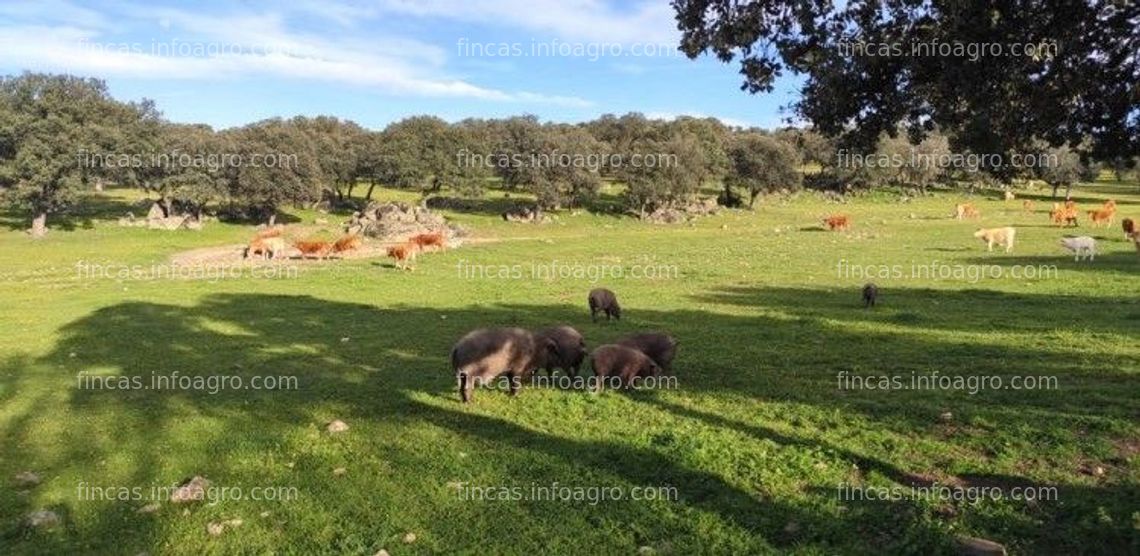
<point x="49" y="125"/>
<point x="867" y="69"/>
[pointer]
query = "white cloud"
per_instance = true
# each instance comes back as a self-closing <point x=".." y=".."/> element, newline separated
<point x="650" y="22"/>
<point x="193" y="46"/>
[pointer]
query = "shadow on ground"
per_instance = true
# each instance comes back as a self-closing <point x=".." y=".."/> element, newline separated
<point x="385" y="370"/>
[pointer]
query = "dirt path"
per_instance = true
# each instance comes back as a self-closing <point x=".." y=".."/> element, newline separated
<point x="231" y="255"/>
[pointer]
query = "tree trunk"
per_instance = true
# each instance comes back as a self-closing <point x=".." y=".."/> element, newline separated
<point x="272" y="218"/>
<point x="99" y="184"/>
<point x="1054" y="191"/>
<point x="351" y="186"/>
<point x="39" y="225"/>
<point x="752" y="199"/>
<point x="371" y="186"/>
<point x="167" y="206"/>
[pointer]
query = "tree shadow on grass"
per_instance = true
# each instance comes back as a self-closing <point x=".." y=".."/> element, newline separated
<point x="1124" y="262"/>
<point x="967" y="310"/>
<point x="954" y="494"/>
<point x="92" y="208"/>
<point x="493" y="206"/>
<point x="385" y="371"/>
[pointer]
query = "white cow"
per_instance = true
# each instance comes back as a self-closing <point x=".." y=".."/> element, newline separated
<point x="1083" y="245"/>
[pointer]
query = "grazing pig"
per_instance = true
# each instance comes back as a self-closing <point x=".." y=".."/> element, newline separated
<point x="570" y="350"/>
<point x="488" y="353"/>
<point x="1083" y="245"/>
<point x="870" y="292"/>
<point x="661" y="348"/>
<point x="601" y="299"/>
<point x="1129" y="228"/>
<point x="621" y="363"/>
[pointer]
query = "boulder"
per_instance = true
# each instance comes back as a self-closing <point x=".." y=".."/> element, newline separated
<point x="191" y="490"/>
<point x="43" y="519"/>
<point x="524" y="213"/>
<point x="155" y="212"/>
<point x="666" y="216"/>
<point x="398" y="221"/>
<point x="449" y="203"/>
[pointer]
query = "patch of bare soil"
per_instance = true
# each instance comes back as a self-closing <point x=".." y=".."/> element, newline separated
<point x="231" y="255"/>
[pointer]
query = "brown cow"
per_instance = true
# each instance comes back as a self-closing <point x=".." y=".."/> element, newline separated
<point x="404" y="254"/>
<point x="836" y="222"/>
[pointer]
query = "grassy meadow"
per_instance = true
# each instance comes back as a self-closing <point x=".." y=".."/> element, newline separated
<point x="758" y="440"/>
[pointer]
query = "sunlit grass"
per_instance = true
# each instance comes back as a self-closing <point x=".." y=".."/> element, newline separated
<point x="757" y="440"/>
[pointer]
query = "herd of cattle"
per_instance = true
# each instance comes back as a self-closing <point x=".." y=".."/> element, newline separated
<point x="485" y="355"/>
<point x="270" y="243"/>
<point x="1063" y="214"/>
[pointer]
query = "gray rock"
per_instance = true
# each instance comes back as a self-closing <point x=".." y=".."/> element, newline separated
<point x="193" y="490"/>
<point x="149" y="508"/>
<point x="42" y="519"/>
<point x="27" y="479"/>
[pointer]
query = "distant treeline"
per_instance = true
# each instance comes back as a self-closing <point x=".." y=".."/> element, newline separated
<point x="61" y="134"/>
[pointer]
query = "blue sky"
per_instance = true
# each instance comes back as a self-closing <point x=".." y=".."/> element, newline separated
<point x="230" y="63"/>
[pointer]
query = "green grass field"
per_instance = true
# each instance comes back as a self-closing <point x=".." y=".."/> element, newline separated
<point x="758" y="440"/>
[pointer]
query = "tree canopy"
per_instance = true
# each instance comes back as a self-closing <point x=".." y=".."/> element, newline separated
<point x="994" y="76"/>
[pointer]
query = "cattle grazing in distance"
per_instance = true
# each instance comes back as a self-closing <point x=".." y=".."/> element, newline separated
<point x="837" y="222"/>
<point x="966" y="210"/>
<point x="317" y="249"/>
<point x="1080" y="246"/>
<point x="997" y="236"/>
<point x="404" y="254"/>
